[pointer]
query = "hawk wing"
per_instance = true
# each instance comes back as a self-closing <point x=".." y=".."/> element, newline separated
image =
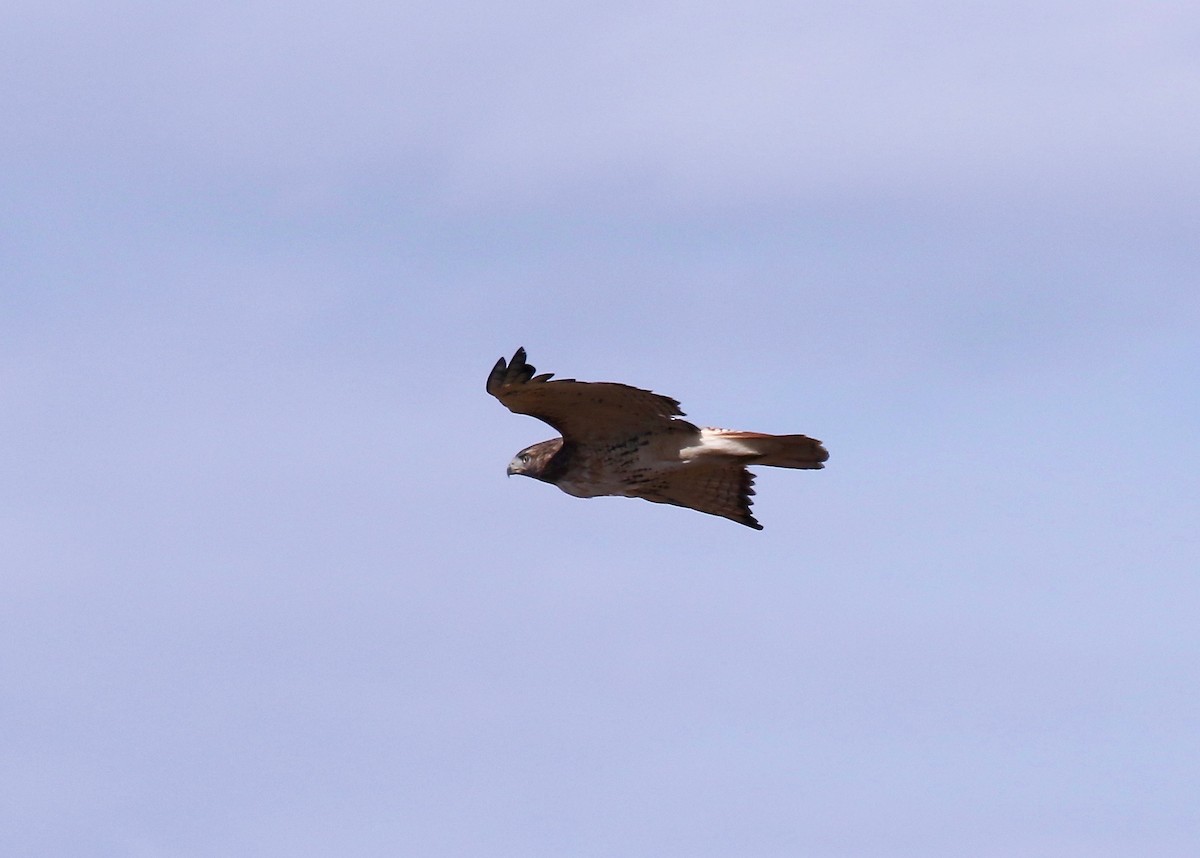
<point x="582" y="411"/>
<point x="716" y="486"/>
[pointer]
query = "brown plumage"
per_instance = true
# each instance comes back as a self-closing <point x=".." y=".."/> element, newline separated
<point x="625" y="441"/>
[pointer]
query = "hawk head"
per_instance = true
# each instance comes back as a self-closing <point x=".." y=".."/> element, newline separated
<point x="533" y="460"/>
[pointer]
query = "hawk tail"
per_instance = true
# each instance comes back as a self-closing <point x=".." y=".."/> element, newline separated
<point x="779" y="451"/>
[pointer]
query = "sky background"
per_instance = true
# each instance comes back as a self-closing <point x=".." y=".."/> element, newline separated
<point x="267" y="592"/>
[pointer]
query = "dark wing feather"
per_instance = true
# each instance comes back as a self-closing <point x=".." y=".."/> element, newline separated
<point x="717" y="486"/>
<point x="583" y="411"/>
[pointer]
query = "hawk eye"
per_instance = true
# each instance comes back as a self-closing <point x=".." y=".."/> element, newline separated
<point x="524" y="458"/>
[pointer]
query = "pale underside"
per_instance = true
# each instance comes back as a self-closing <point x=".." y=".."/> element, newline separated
<point x="625" y="469"/>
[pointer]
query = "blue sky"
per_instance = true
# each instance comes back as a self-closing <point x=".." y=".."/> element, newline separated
<point x="267" y="592"/>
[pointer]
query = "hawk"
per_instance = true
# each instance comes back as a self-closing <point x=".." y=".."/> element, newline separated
<point x="625" y="441"/>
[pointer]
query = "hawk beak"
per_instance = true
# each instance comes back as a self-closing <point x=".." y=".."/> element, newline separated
<point x="509" y="471"/>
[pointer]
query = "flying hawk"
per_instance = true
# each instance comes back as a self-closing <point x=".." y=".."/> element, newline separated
<point x="624" y="441"/>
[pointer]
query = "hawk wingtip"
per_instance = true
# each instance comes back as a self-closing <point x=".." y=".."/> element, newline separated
<point x="517" y="359"/>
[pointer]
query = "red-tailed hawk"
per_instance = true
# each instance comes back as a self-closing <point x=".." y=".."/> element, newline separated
<point x="624" y="441"/>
